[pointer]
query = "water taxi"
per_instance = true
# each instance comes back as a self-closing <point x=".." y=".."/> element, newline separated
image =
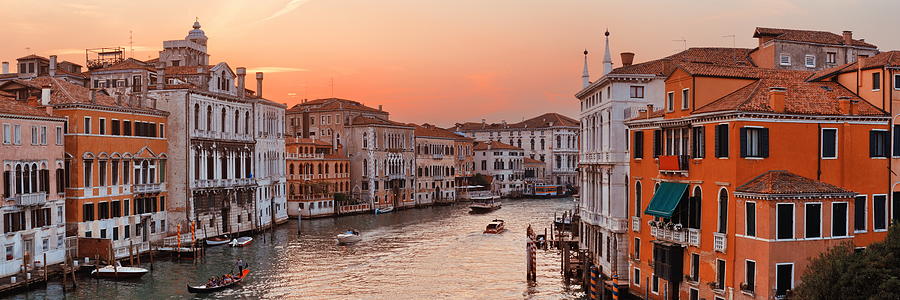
<point x="495" y="227"/>
<point x="119" y="272"/>
<point x="348" y="237"/>
<point x="241" y="241"/>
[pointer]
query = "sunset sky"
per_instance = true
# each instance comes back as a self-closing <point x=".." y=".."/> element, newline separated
<point x="427" y="61"/>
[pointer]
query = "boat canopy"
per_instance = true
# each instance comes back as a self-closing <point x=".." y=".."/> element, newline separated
<point x="666" y="199"/>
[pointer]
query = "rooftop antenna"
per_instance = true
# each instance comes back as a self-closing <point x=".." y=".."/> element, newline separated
<point x="733" y="45"/>
<point x="683" y="43"/>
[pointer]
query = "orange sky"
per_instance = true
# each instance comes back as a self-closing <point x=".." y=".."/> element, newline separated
<point x="426" y="60"/>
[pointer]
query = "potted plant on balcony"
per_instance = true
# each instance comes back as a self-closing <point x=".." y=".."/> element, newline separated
<point x="746" y="287"/>
<point x="677" y="227"/>
<point x="652" y="223"/>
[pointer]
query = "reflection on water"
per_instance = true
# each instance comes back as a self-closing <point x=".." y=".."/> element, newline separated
<point x="429" y="253"/>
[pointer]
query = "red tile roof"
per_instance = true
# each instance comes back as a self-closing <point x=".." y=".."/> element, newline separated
<point x="787" y="183"/>
<point x="128" y="64"/>
<point x="532" y="161"/>
<point x="13" y="107"/>
<point x="718" y="56"/>
<point x="889" y="59"/>
<point x="494" y="145"/>
<point x="63" y="92"/>
<point x="801" y="97"/>
<point x="331" y="104"/>
<point x="370" y="120"/>
<point x="809" y="36"/>
<point x="428" y="130"/>
<point x="543" y="121"/>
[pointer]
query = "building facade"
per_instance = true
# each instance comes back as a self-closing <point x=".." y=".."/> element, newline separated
<point x="318" y="180"/>
<point x="551" y="138"/>
<point x="436" y="164"/>
<point x="271" y="193"/>
<point x="33" y="186"/>
<point x="504" y="163"/>
<point x="732" y="196"/>
<point x="382" y="162"/>
<point x="807" y="50"/>
<point x="326" y="119"/>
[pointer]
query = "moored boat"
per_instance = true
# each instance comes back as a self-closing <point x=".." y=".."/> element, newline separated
<point x="241" y="241"/>
<point x="119" y="272"/>
<point x="219" y="240"/>
<point x="495" y="227"/>
<point x="382" y="210"/>
<point x="348" y="237"/>
<point x="209" y="289"/>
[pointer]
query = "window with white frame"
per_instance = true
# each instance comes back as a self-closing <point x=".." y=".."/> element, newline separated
<point x="859" y="213"/>
<point x="754" y="142"/>
<point x="897" y="81"/>
<point x="750" y="220"/>
<point x="876" y="81"/>
<point x="784" y="222"/>
<point x="749" y="276"/>
<point x="720" y="274"/>
<point x="685" y="96"/>
<point x="670" y="101"/>
<point x="831" y="57"/>
<point x="654" y="285"/>
<point x="637" y="91"/>
<point x="812" y="220"/>
<point x="34" y="135"/>
<point x="43" y="135"/>
<point x="102" y="126"/>
<point x="7" y="134"/>
<point x="17" y="134"/>
<point x="59" y="135"/>
<point x="809" y="61"/>
<point x="879" y="212"/>
<point x="695" y="294"/>
<point x="695" y="267"/>
<point x="784" y="59"/>
<point x="784" y="278"/>
<point x="829" y="143"/>
<point x="87" y="125"/>
<point x="637" y="277"/>
<point x="839" y="219"/>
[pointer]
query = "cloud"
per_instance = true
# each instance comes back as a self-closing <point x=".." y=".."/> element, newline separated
<point x="288" y="7"/>
<point x="276" y="69"/>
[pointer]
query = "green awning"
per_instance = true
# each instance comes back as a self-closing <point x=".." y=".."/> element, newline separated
<point x="666" y="199"/>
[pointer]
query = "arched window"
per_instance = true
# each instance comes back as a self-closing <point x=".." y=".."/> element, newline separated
<point x="638" y="207"/>
<point x="223" y="121"/>
<point x="196" y="116"/>
<point x="365" y="140"/>
<point x="694" y="210"/>
<point x="209" y="118"/>
<point x="247" y="122"/>
<point x="237" y="116"/>
<point x="26" y="181"/>
<point x="292" y="169"/>
<point x="723" y="211"/>
<point x="19" y="180"/>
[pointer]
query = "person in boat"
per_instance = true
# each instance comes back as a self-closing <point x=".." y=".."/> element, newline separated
<point x="240" y="265"/>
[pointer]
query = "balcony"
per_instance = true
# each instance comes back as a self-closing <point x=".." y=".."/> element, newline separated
<point x="674" y="164"/>
<point x="305" y="156"/>
<point x="719" y="242"/>
<point x="31" y="199"/>
<point x="146" y="188"/>
<point x="636" y="224"/>
<point x="437" y="156"/>
<point x="694" y="237"/>
<point x="669" y="232"/>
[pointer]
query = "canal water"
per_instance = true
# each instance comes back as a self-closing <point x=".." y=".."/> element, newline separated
<point x="427" y="253"/>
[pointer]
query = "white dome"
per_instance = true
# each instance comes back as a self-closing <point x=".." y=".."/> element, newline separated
<point x="196" y="33"/>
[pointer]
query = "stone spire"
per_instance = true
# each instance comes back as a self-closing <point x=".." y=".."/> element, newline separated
<point x="607" y="58"/>
<point x="585" y="76"/>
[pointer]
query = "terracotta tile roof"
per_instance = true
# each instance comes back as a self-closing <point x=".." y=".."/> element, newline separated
<point x="428" y="130"/>
<point x="331" y="104"/>
<point x="128" y="64"/>
<point x="11" y="106"/>
<point x="718" y="56"/>
<point x="809" y="36"/>
<point x="532" y="161"/>
<point x="63" y="92"/>
<point x="370" y="120"/>
<point x="888" y="59"/>
<point x="494" y="145"/>
<point x="802" y="97"/>
<point x="543" y="121"/>
<point x="779" y="182"/>
<point x="653" y="114"/>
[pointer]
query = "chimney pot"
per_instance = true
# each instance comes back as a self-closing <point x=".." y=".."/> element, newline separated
<point x="52" y="65"/>
<point x="5" y="67"/>
<point x="93" y="95"/>
<point x="848" y="37"/>
<point x="776" y="98"/>
<point x="844" y="103"/>
<point x="45" y="95"/>
<point x="379" y="107"/>
<point x="160" y="75"/>
<point x="627" y="58"/>
<point x="242" y="84"/>
<point x="259" y="87"/>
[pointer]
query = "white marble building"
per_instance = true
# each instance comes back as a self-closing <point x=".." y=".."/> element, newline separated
<point x="505" y="163"/>
<point x="271" y="199"/>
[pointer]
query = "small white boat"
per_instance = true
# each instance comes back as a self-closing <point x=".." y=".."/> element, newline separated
<point x="219" y="240"/>
<point x="348" y="237"/>
<point x="384" y="210"/>
<point x="241" y="241"/>
<point x="119" y="272"/>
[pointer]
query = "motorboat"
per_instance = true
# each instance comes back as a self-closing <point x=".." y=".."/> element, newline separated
<point x="484" y="203"/>
<point x="495" y="227"/>
<point x="119" y="272"/>
<point x="209" y="289"/>
<point x="382" y="210"/>
<point x="241" y="241"/>
<point x="348" y="237"/>
<point x="219" y="240"/>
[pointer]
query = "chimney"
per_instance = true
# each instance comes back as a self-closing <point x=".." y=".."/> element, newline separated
<point x="259" y="78"/>
<point x="160" y="75"/>
<point x="5" y="67"/>
<point x="848" y="37"/>
<point x="627" y="58"/>
<point x="853" y="103"/>
<point x="776" y="98"/>
<point x="844" y="103"/>
<point x="379" y="107"/>
<point x="93" y="95"/>
<point x="45" y="95"/>
<point x="52" y="65"/>
<point x="242" y="75"/>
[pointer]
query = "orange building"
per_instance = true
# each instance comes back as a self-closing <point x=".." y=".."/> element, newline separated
<point x="745" y="175"/>
<point x="115" y="161"/>
<point x="318" y="179"/>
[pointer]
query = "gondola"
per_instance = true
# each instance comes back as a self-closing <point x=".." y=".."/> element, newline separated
<point x="205" y="289"/>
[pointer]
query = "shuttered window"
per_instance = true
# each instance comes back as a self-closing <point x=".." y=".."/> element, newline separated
<point x="657" y="143"/>
<point x="829" y="142"/>
<point x="878" y="143"/>
<point x="785" y="225"/>
<point x="721" y="140"/>
<point x="638" y="144"/>
<point x="698" y="147"/>
<point x="754" y="142"/>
